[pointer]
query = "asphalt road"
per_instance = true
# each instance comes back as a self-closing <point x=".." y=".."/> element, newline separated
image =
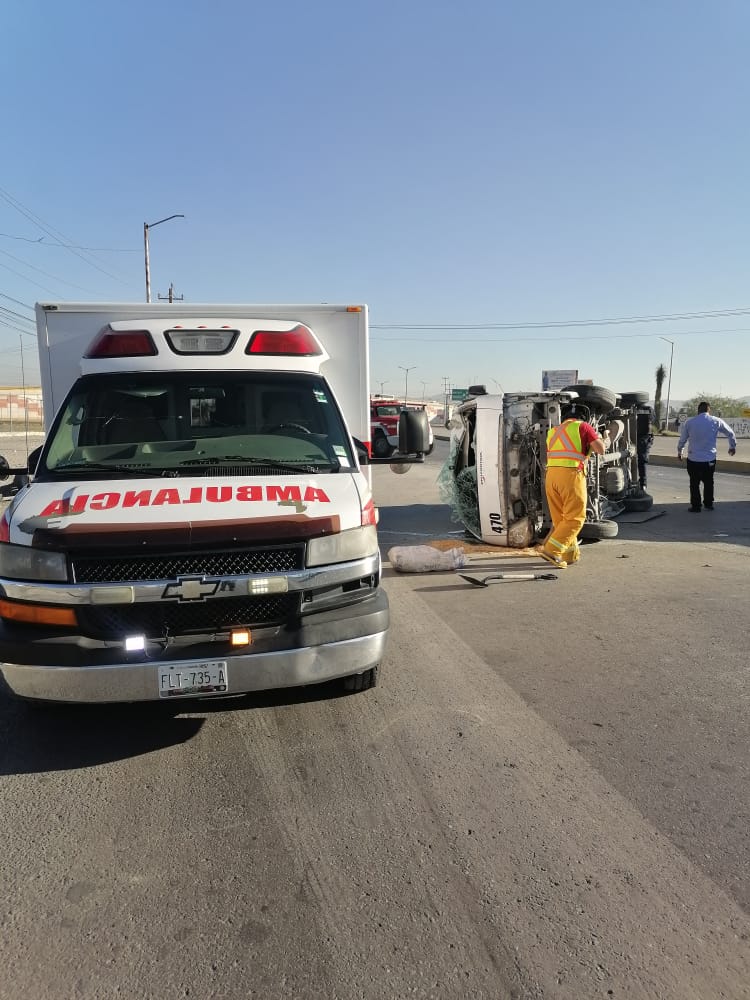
<point x="547" y="796"/>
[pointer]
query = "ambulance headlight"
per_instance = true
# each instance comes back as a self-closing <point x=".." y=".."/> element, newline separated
<point x="20" y="562"/>
<point x="358" y="543"/>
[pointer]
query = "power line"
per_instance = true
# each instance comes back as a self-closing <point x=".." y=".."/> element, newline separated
<point x="30" y="280"/>
<point x="557" y="340"/>
<point x="11" y="312"/>
<point x="557" y="324"/>
<point x="20" y="260"/>
<point x="55" y="234"/>
<point x="17" y="301"/>
<point x="40" y="241"/>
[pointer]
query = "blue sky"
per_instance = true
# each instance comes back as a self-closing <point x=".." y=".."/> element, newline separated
<point x="453" y="165"/>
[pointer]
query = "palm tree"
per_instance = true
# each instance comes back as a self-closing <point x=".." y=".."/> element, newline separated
<point x="661" y="374"/>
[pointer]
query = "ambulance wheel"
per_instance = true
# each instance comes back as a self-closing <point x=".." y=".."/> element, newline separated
<point x="380" y="446"/>
<point x="360" y="682"/>
<point x="595" y="530"/>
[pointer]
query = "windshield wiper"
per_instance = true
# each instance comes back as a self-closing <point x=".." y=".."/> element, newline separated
<point x="272" y="463"/>
<point x="99" y="467"/>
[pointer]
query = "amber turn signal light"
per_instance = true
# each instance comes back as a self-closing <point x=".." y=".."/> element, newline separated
<point x="36" y="614"/>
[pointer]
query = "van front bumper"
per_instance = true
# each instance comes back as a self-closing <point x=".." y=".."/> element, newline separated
<point x="325" y="647"/>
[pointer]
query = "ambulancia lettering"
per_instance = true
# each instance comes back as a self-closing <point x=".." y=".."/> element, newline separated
<point x="283" y="496"/>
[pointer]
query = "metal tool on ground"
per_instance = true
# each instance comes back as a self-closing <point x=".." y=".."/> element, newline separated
<point x="500" y="577"/>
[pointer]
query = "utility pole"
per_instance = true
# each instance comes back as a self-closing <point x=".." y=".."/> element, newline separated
<point x="171" y="297"/>
<point x="406" y="383"/>
<point x="669" y="381"/>
<point x="146" y="227"/>
<point x="446" y="398"/>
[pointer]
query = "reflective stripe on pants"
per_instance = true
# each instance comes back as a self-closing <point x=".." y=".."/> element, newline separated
<point x="566" y="497"/>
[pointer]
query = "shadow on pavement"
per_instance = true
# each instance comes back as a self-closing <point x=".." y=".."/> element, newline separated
<point x="45" y="737"/>
<point x="727" y="523"/>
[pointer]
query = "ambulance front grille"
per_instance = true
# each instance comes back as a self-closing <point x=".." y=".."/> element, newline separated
<point x="161" y="620"/>
<point x="233" y="562"/>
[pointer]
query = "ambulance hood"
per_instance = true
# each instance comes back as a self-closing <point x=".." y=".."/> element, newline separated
<point x="144" y="514"/>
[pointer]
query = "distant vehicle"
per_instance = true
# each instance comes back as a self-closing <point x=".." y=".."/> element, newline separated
<point x="494" y="476"/>
<point x="384" y="418"/>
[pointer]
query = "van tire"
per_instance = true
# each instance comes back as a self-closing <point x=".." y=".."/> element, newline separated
<point x="380" y="446"/>
<point x="596" y="530"/>
<point x="360" y="682"/>
<point x="628" y="399"/>
<point x="634" y="504"/>
<point x="596" y="395"/>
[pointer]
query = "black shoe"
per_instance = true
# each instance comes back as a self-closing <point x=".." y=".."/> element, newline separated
<point x="708" y="506"/>
<point x="694" y="510"/>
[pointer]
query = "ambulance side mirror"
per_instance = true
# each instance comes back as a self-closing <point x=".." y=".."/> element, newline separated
<point x="413" y="432"/>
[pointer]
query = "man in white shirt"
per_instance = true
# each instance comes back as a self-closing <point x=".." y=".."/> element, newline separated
<point x="700" y="433"/>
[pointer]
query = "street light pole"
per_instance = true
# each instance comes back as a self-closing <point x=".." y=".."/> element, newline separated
<point x="146" y="227"/>
<point x="669" y="378"/>
<point x="424" y="388"/>
<point x="406" y="382"/>
<point x="381" y="387"/>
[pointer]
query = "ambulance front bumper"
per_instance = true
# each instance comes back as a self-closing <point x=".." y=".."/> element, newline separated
<point x="328" y="646"/>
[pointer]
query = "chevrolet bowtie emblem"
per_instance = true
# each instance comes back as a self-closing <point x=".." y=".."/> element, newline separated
<point x="195" y="588"/>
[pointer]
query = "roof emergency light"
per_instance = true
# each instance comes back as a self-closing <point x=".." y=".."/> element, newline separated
<point x="201" y="340"/>
<point x="299" y="341"/>
<point x="110" y="343"/>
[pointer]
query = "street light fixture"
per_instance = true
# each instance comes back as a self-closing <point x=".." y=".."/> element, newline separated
<point x="146" y="227"/>
<point x="669" y="378"/>
<point x="406" y="382"/>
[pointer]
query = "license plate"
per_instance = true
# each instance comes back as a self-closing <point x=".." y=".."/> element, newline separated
<point x="194" y="680"/>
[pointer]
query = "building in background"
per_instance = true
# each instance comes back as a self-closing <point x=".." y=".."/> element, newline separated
<point x="20" y="408"/>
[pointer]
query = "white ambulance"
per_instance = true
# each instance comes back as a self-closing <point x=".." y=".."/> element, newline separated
<point x="199" y="521"/>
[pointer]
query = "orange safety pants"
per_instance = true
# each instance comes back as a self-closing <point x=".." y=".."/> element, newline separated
<point x="566" y="498"/>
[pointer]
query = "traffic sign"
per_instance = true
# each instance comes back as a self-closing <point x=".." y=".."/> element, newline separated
<point x="459" y="395"/>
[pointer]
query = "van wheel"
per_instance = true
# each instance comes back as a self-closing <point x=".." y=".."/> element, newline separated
<point x="380" y="446"/>
<point x="628" y="399"/>
<point x="596" y="396"/>
<point x="360" y="682"/>
<point x="641" y="503"/>
<point x="596" y="530"/>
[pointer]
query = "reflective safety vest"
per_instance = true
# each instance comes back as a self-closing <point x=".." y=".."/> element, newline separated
<point x="564" y="447"/>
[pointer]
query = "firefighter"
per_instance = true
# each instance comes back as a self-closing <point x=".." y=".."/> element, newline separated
<point x="568" y="447"/>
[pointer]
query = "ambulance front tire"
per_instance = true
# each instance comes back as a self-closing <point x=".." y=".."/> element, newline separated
<point x="290" y="427"/>
<point x="360" y="682"/>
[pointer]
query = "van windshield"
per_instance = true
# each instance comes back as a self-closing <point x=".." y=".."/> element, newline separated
<point x="193" y="423"/>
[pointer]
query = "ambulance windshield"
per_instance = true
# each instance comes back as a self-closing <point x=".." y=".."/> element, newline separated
<point x="197" y="423"/>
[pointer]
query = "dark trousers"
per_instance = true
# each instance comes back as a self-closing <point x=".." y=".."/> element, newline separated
<point x="701" y="472"/>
